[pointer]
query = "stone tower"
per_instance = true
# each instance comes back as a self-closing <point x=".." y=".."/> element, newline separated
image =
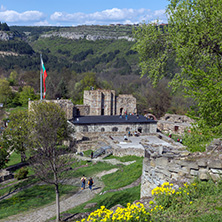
<point x="101" y="102"/>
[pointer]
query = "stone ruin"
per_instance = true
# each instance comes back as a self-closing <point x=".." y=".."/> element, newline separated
<point x="105" y="102"/>
<point x="96" y="103"/>
<point x="173" y="123"/>
<point x="176" y="165"/>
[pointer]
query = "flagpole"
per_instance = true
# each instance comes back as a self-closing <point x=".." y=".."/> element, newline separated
<point x="41" y="77"/>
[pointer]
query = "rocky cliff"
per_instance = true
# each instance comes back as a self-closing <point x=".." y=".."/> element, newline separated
<point x="77" y="36"/>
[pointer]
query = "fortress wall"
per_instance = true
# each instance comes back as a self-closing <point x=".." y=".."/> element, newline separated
<point x="81" y="110"/>
<point x="179" y="166"/>
<point x="126" y="103"/>
<point x="123" y="128"/>
<point x="65" y="104"/>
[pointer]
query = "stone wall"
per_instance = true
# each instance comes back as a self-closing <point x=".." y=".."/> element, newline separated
<point x="104" y="102"/>
<point x="101" y="102"/>
<point x="5" y="175"/>
<point x="125" y="103"/>
<point x="167" y="164"/>
<point x="65" y="104"/>
<point x="128" y="152"/>
<point x="93" y="141"/>
<point x="172" y="123"/>
<point x="83" y="110"/>
<point x="105" y="127"/>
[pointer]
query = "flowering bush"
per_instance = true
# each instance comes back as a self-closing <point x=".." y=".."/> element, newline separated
<point x="165" y="188"/>
<point x="167" y="196"/>
<point x="133" y="212"/>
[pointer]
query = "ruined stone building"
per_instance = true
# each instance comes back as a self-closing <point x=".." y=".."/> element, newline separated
<point x="103" y="111"/>
<point x="105" y="102"/>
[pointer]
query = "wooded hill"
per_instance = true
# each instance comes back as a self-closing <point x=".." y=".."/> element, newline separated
<point x="106" y="53"/>
<point x="79" y="57"/>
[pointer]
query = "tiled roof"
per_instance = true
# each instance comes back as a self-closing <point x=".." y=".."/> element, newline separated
<point x="84" y="120"/>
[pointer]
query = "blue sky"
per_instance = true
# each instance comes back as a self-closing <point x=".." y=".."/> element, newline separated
<point x="87" y="12"/>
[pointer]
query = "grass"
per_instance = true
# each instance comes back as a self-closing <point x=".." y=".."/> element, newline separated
<point x="14" y="159"/>
<point x="124" y="176"/>
<point x="87" y="153"/>
<point x="92" y="169"/>
<point x="36" y="196"/>
<point x="124" y="158"/>
<point x="109" y="200"/>
<point x="17" y="185"/>
<point x="202" y="204"/>
<point x="33" y="197"/>
<point x="18" y="108"/>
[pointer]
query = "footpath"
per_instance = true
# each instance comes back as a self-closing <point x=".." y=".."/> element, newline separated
<point x="82" y="196"/>
<point x="43" y="214"/>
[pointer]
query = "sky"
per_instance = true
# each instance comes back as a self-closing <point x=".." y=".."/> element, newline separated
<point x="87" y="12"/>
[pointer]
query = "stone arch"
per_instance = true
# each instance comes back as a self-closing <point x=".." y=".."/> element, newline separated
<point x="140" y="129"/>
<point x="85" y="129"/>
<point x="114" y="129"/>
<point x="176" y="128"/>
<point x="127" y="129"/>
<point x="150" y="116"/>
<point x="102" y="129"/>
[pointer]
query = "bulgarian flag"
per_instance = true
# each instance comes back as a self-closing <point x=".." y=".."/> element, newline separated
<point x="44" y="74"/>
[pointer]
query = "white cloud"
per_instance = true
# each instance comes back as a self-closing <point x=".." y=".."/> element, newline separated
<point x="105" y="17"/>
<point x="42" y="23"/>
<point x="16" y="17"/>
<point x="159" y="12"/>
<point x="108" y="16"/>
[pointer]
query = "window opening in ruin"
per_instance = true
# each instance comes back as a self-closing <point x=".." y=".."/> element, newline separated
<point x="121" y="110"/>
<point x="111" y="113"/>
<point x="102" y="129"/>
<point x="85" y="129"/>
<point x="114" y="129"/>
<point x="140" y="129"/>
<point x="77" y="112"/>
<point x="102" y="104"/>
<point x="176" y="128"/>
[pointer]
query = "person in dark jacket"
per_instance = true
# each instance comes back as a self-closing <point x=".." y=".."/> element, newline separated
<point x="90" y="183"/>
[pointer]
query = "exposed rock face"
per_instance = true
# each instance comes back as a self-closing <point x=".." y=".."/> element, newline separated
<point x="77" y="36"/>
<point x="179" y="166"/>
<point x="5" y="36"/>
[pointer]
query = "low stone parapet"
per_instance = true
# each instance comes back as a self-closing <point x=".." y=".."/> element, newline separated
<point x="178" y="167"/>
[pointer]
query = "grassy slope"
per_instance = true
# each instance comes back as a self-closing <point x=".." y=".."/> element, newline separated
<point x="36" y="195"/>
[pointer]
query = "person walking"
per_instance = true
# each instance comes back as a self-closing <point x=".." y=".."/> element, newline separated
<point x="83" y="180"/>
<point x="90" y="183"/>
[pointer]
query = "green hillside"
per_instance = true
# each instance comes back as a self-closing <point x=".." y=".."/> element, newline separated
<point x="77" y="58"/>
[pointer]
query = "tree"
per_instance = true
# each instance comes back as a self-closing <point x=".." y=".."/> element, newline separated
<point x="15" y="136"/>
<point x="26" y="95"/>
<point x="5" y="91"/>
<point x="4" y="154"/>
<point x="13" y="78"/>
<point x="49" y="128"/>
<point x="156" y="100"/>
<point x="193" y="35"/>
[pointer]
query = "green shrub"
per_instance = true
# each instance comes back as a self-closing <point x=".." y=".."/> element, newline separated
<point x="196" y="141"/>
<point x="22" y="173"/>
